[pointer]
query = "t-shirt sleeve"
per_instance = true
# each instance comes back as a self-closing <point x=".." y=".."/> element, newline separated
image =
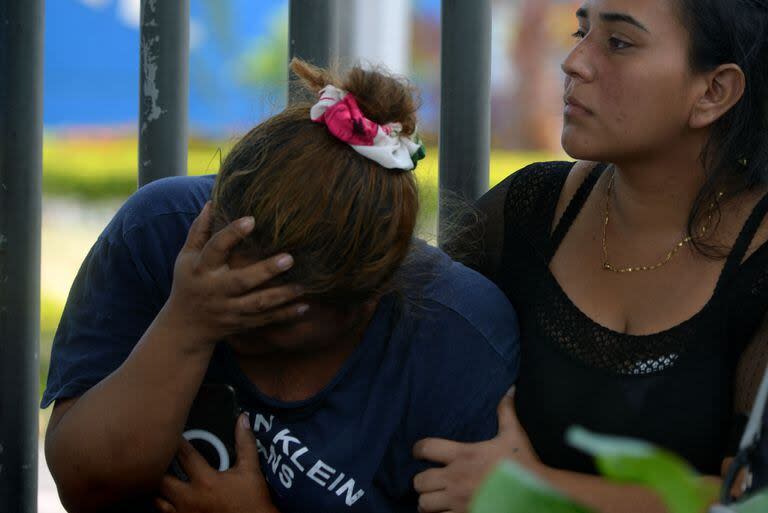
<point x="118" y="291"/>
<point x="465" y="386"/>
<point x="468" y="370"/>
<point x="477" y="237"/>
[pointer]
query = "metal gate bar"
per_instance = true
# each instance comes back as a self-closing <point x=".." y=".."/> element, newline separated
<point x="21" y="140"/>
<point x="163" y="89"/>
<point x="310" y="37"/>
<point x="465" y="104"/>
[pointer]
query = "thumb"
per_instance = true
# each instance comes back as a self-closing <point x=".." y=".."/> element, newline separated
<point x="245" y="445"/>
<point x="506" y="413"/>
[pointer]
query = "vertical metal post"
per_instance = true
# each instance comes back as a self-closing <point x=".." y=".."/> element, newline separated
<point x="465" y="103"/>
<point x="310" y="35"/>
<point x="21" y="142"/>
<point x="163" y="89"/>
<point x="344" y="34"/>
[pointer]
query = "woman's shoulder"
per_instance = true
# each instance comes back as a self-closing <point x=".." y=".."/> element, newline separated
<point x="460" y="344"/>
<point x="522" y="204"/>
<point x="539" y="173"/>
<point x="180" y="197"/>
<point x="543" y="190"/>
<point x="452" y="295"/>
<point x="528" y="190"/>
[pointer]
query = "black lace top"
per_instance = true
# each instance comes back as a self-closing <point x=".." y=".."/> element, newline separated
<point x="674" y="388"/>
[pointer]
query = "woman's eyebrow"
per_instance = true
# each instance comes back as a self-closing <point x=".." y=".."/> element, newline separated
<point x="613" y="17"/>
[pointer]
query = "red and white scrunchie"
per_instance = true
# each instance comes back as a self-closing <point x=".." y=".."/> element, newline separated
<point x="384" y="144"/>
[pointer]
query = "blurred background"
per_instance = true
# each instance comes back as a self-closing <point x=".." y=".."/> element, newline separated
<point x="238" y="75"/>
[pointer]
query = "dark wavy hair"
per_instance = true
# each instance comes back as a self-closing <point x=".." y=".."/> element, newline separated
<point x="736" y="155"/>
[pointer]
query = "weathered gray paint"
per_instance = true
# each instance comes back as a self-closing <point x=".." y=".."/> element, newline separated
<point x="465" y="104"/>
<point x="163" y="89"/>
<point x="310" y="35"/>
<point x="21" y="134"/>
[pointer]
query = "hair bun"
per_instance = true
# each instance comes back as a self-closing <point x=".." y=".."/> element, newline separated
<point x="382" y="97"/>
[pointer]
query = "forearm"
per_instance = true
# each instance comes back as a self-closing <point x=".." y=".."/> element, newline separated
<point x="120" y="436"/>
<point x="604" y="496"/>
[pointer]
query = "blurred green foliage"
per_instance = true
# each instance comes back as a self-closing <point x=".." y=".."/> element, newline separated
<point x="262" y="65"/>
<point x="96" y="169"/>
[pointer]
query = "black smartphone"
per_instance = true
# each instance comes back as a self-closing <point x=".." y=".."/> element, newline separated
<point x="210" y="427"/>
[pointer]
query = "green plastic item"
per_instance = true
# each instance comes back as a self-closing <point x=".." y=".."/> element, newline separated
<point x="631" y="461"/>
<point x="511" y="489"/>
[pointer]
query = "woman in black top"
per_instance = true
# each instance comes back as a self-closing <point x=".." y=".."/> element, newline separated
<point x="641" y="282"/>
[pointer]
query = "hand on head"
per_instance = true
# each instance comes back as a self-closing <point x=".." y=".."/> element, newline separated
<point x="214" y="300"/>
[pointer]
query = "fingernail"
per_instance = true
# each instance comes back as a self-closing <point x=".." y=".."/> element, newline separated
<point x="302" y="309"/>
<point x="246" y="223"/>
<point x="511" y="391"/>
<point x="245" y="420"/>
<point x="285" y="262"/>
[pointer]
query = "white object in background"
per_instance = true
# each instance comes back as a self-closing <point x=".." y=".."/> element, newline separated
<point x="47" y="495"/>
<point x="372" y="32"/>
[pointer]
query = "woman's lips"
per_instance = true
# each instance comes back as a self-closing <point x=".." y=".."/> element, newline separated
<point x="574" y="108"/>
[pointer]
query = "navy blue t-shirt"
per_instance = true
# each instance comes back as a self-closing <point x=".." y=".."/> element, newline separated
<point x="434" y="363"/>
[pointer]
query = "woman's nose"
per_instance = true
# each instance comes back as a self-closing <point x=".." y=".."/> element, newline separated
<point x="577" y="64"/>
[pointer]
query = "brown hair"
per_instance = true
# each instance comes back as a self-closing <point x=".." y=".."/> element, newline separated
<point x="347" y="221"/>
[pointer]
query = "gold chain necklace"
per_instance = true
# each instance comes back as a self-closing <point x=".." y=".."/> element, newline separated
<point x="621" y="270"/>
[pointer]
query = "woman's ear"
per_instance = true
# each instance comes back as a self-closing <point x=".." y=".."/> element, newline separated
<point x="725" y="86"/>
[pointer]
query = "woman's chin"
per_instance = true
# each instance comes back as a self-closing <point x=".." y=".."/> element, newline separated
<point x="273" y="340"/>
<point x="579" y="147"/>
<point x="249" y="349"/>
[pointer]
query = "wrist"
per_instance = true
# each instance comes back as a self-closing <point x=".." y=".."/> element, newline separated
<point x="180" y="326"/>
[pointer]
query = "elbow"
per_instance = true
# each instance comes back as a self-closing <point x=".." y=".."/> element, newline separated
<point x="83" y="490"/>
<point x="79" y="493"/>
<point x="82" y="495"/>
<point x="85" y="504"/>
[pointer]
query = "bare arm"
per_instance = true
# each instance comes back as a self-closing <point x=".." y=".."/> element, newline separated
<point x="119" y="437"/>
<point x="451" y="487"/>
<point x="117" y="440"/>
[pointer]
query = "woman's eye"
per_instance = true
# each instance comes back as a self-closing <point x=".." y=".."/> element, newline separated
<point x="579" y="34"/>
<point x="617" y="44"/>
